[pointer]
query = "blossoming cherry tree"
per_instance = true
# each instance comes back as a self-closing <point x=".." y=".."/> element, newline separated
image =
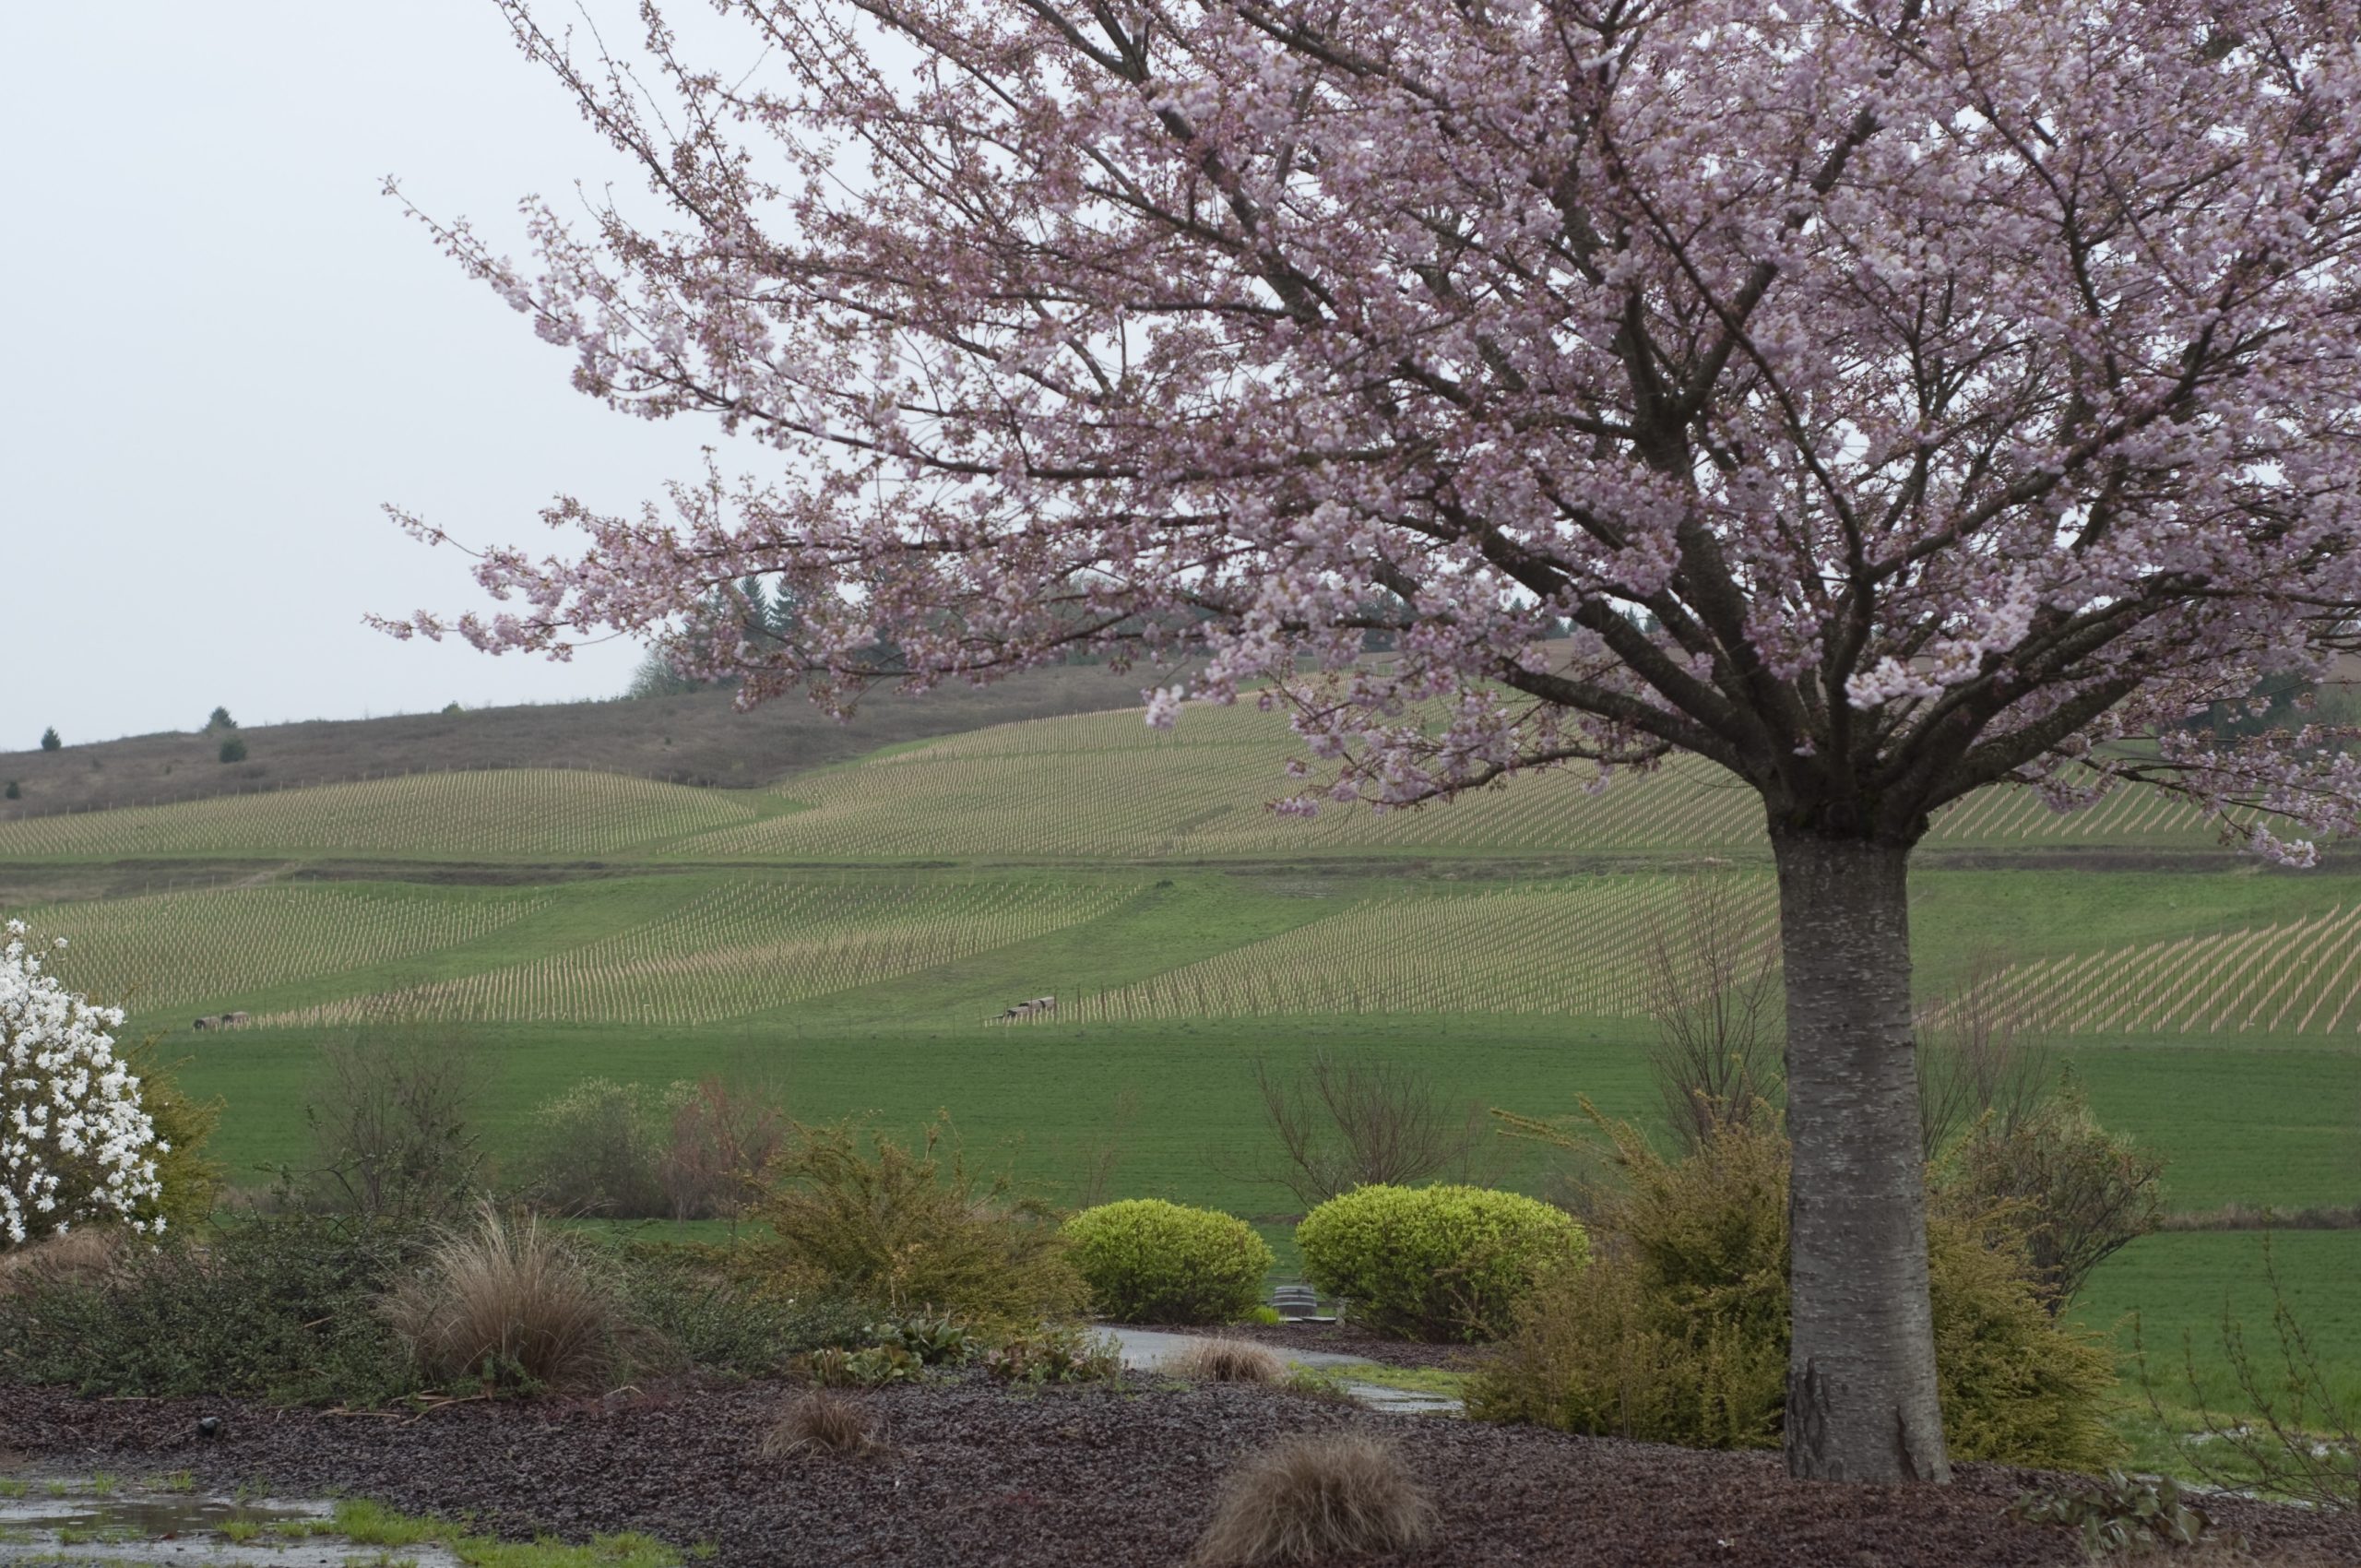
<point x="1893" y="399"/>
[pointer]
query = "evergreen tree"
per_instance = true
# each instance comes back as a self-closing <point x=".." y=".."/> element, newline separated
<point x="49" y="740"/>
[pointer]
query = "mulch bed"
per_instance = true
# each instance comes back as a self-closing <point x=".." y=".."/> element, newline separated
<point x="980" y="1475"/>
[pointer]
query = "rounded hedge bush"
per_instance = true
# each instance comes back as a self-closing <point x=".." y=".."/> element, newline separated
<point x="1436" y="1263"/>
<point x="1148" y="1261"/>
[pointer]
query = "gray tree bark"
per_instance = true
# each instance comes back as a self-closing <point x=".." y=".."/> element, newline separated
<point x="1861" y="1399"/>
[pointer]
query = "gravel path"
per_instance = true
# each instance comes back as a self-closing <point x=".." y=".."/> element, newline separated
<point x="978" y="1475"/>
<point x="1345" y="1339"/>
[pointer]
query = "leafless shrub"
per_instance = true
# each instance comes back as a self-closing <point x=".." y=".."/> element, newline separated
<point x="1100" y="1157"/>
<point x="1979" y="1057"/>
<point x="722" y="1141"/>
<point x="1315" y="1499"/>
<point x="817" y="1422"/>
<point x="2301" y="1438"/>
<point x="2070" y="1192"/>
<point x="1229" y="1360"/>
<point x="1713" y="991"/>
<point x="389" y="1125"/>
<point x="1348" y="1121"/>
<point x="510" y="1304"/>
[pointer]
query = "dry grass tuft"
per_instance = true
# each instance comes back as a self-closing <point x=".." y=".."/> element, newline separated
<point x="1315" y="1498"/>
<point x="1229" y="1360"/>
<point x="820" y="1422"/>
<point x="78" y="1257"/>
<point x="507" y="1302"/>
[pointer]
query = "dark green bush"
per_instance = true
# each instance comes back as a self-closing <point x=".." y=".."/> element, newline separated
<point x="1148" y="1261"/>
<point x="1436" y="1263"/>
<point x="913" y="1228"/>
<point x="595" y="1149"/>
<point x="234" y="749"/>
<point x="281" y="1309"/>
<point x="1678" y="1330"/>
<point x="722" y="1314"/>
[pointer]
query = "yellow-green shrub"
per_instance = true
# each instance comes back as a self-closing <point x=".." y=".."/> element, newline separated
<point x="1436" y="1263"/>
<point x="1678" y="1330"/>
<point x="1148" y="1261"/>
<point x="912" y="1229"/>
<point x="187" y="1180"/>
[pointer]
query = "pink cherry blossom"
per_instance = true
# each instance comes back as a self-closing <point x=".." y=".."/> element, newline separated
<point x="1895" y="398"/>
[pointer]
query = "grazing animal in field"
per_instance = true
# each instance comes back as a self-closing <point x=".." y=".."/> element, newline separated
<point x="202" y="1024"/>
<point x="235" y="1020"/>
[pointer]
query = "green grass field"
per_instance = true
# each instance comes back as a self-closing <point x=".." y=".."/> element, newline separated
<point x="851" y="936"/>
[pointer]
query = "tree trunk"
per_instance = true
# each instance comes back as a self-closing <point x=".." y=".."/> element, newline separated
<point x="1861" y="1402"/>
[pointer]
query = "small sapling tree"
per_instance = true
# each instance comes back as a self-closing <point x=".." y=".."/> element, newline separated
<point x="1894" y="398"/>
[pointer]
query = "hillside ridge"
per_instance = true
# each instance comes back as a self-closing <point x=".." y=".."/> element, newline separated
<point x="698" y="738"/>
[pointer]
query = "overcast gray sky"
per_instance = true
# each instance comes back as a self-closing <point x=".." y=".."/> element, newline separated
<point x="225" y="350"/>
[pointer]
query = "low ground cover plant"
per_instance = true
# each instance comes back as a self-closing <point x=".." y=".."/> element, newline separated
<point x="1677" y="1331"/>
<point x="280" y="1307"/>
<point x="290" y="1307"/>
<point x="2120" y="1516"/>
<point x="1055" y="1353"/>
<point x="721" y="1311"/>
<point x="1436" y="1263"/>
<point x="1148" y="1261"/>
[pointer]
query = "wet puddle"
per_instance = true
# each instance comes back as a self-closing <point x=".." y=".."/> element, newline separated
<point x="73" y="1519"/>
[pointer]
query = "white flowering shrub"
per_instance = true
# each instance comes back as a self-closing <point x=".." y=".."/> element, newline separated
<point x="74" y="1144"/>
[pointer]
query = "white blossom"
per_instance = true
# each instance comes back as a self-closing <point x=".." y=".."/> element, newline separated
<point x="75" y="1145"/>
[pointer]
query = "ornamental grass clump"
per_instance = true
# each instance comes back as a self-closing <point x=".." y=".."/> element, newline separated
<point x="1316" y="1499"/>
<point x="76" y="1146"/>
<point x="510" y="1304"/>
<point x="1148" y="1261"/>
<point x="819" y="1422"/>
<point x="1436" y="1263"/>
<point x="1229" y="1360"/>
